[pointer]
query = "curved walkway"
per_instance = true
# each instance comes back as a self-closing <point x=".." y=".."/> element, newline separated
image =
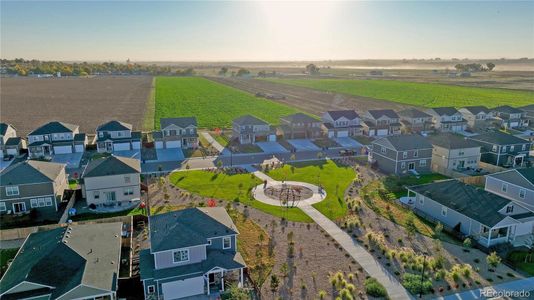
<point x="259" y="193"/>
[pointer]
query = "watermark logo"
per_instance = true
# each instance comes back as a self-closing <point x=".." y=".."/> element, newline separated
<point x="491" y="293"/>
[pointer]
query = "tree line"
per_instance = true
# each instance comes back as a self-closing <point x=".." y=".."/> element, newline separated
<point x="475" y="67"/>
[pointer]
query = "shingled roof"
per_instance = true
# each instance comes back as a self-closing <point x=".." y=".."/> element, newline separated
<point x="477" y="109"/>
<point x="54" y="127"/>
<point x="4" y="127"/>
<point x="337" y="114"/>
<point x="114" y="126"/>
<point x="452" y="141"/>
<point x="444" y="111"/>
<point x="249" y="120"/>
<point x="404" y="142"/>
<point x="507" y="109"/>
<point x="180" y="122"/>
<point x="299" y="118"/>
<point x="521" y="177"/>
<point x="499" y="138"/>
<point x="377" y="113"/>
<point x="413" y="113"/>
<point x="30" y="171"/>
<point x="112" y="165"/>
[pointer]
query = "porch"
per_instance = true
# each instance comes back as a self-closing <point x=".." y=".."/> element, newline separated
<point x="218" y="279"/>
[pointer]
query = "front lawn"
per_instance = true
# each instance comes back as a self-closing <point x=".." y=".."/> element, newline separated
<point x="228" y="187"/>
<point x="396" y="185"/>
<point x="335" y="179"/>
<point x="518" y="259"/>
<point x="5" y="256"/>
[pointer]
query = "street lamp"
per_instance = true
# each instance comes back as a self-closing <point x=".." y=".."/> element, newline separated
<point x="422" y="276"/>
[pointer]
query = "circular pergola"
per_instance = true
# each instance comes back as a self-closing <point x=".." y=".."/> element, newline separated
<point x="288" y="193"/>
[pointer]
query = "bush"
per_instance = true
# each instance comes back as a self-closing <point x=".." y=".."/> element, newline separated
<point x="412" y="282"/>
<point x="374" y="288"/>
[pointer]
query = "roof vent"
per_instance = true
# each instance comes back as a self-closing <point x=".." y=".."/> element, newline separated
<point x="65" y="241"/>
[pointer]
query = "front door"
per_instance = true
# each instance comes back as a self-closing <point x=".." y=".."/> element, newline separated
<point x="19" y="207"/>
<point x="461" y="164"/>
<point x="518" y="161"/>
<point x="411" y="166"/>
<point x="109" y="147"/>
<point x="46" y="150"/>
<point x="111" y="197"/>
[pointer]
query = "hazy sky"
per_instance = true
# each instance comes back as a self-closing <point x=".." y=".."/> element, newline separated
<point x="245" y="31"/>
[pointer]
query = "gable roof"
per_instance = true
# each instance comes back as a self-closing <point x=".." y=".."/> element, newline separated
<point x="189" y="227"/>
<point x="447" y="111"/>
<point x="507" y="109"/>
<point x="404" y="142"/>
<point x="521" y="177"/>
<point x="180" y="122"/>
<point x="473" y="202"/>
<point x="30" y="171"/>
<point x="529" y="108"/>
<point x="452" y="141"/>
<point x="4" y="127"/>
<point x="377" y="113"/>
<point x="54" y="127"/>
<point x="114" y="126"/>
<point x="249" y="120"/>
<point x="499" y="138"/>
<point x="299" y="118"/>
<point x="112" y="165"/>
<point x="476" y="109"/>
<point x="66" y="257"/>
<point x="337" y="114"/>
<point x="413" y="113"/>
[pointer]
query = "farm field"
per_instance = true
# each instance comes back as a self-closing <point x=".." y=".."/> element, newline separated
<point x="417" y="94"/>
<point x="89" y="101"/>
<point x="213" y="104"/>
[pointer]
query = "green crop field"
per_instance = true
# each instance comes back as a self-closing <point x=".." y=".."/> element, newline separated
<point x="214" y="105"/>
<point x="419" y="94"/>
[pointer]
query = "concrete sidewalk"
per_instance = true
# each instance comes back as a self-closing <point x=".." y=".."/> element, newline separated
<point x="508" y="288"/>
<point x="213" y="142"/>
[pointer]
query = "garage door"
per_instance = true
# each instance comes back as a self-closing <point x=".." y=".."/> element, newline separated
<point x="136" y="145"/>
<point x="173" y="144"/>
<point x="183" y="288"/>
<point x="382" y="132"/>
<point x="159" y="145"/>
<point x="121" y="146"/>
<point x="272" y="138"/>
<point x="342" y="134"/>
<point x="514" y="124"/>
<point x="79" y="148"/>
<point x="62" y="149"/>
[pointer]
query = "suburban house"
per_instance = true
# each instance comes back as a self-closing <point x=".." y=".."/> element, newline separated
<point x="176" y="133"/>
<point x="510" y="117"/>
<point x="342" y="123"/>
<point x="74" y="262"/>
<point x="516" y="185"/>
<point x="117" y="136"/>
<point x="192" y="252"/>
<point x="502" y="149"/>
<point x="381" y="122"/>
<point x="471" y="211"/>
<point x="300" y="125"/>
<point x="414" y="120"/>
<point x="31" y="184"/>
<point x="447" y="119"/>
<point x="528" y="110"/>
<point x="249" y="129"/>
<point x="453" y="152"/>
<point x="402" y="154"/>
<point x="56" y="138"/>
<point x="111" y="181"/>
<point x="478" y="117"/>
<point x="10" y="144"/>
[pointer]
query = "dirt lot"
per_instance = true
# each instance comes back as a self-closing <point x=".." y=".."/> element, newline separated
<point x="30" y="102"/>
<point x="308" y="100"/>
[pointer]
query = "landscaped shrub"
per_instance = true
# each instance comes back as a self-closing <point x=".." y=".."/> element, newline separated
<point x="412" y="282"/>
<point x="374" y="288"/>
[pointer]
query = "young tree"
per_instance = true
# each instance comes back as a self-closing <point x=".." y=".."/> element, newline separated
<point x="490" y="66"/>
<point x="275" y="282"/>
<point x="467" y="243"/>
<point x="223" y="71"/>
<point x="438" y="230"/>
<point x="493" y="259"/>
<point x="411" y="229"/>
<point x="238" y="293"/>
<point x="312" y="69"/>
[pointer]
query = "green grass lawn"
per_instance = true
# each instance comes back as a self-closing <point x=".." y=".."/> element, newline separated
<point x="231" y="188"/>
<point x="518" y="259"/>
<point x="396" y="185"/>
<point x="414" y="93"/>
<point x="214" y="105"/>
<point x="334" y="179"/>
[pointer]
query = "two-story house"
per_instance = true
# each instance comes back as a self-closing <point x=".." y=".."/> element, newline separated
<point x="402" y="154"/>
<point x="477" y="117"/>
<point x="111" y="181"/>
<point x="300" y="125"/>
<point x="73" y="262"/>
<point x="176" y="133"/>
<point x="471" y="211"/>
<point x="528" y="110"/>
<point x="414" y="121"/>
<point x="117" y="136"/>
<point x="248" y="129"/>
<point x="510" y="117"/>
<point x="516" y="185"/>
<point x="192" y="252"/>
<point x="502" y="149"/>
<point x="381" y="122"/>
<point x="56" y="138"/>
<point x="10" y="144"/>
<point x="447" y="119"/>
<point x="453" y="152"/>
<point x="342" y="123"/>
<point x="31" y="185"/>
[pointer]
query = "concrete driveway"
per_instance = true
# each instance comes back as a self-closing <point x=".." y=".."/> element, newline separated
<point x="71" y="159"/>
<point x="174" y="154"/>
<point x="129" y="153"/>
<point x="304" y="145"/>
<point x="347" y="142"/>
<point x="5" y="164"/>
<point x="271" y="147"/>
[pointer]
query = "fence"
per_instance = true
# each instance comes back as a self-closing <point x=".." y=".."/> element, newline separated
<point x="65" y="216"/>
<point x="491" y="168"/>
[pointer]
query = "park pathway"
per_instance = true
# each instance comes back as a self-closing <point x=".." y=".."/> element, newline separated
<point x="214" y="142"/>
<point x="520" y="285"/>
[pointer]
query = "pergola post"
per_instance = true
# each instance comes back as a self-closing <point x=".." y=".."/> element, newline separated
<point x="241" y="277"/>
<point x="207" y="282"/>
<point x="222" y="280"/>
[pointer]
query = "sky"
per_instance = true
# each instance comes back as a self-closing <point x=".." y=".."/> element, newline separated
<point x="264" y="31"/>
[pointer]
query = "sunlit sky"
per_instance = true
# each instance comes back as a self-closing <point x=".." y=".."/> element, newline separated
<point x="265" y="31"/>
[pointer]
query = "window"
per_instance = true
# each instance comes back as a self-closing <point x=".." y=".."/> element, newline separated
<point x="509" y="209"/>
<point x="12" y="190"/>
<point x="421" y="199"/>
<point x="522" y="193"/>
<point x="403" y="165"/>
<point x="512" y="148"/>
<point x="3" y="206"/>
<point x="444" y="211"/>
<point x="404" y="154"/>
<point x="209" y="242"/>
<point x="461" y="152"/>
<point x="383" y="149"/>
<point x="227" y="242"/>
<point x="415" y="153"/>
<point x="181" y="256"/>
<point x="494" y="148"/>
<point x="504" y="187"/>
<point x="503" y="149"/>
<point x="119" y="133"/>
<point x="151" y="289"/>
<point x="128" y="191"/>
<point x="101" y="134"/>
<point x="127" y="179"/>
<point x="422" y="163"/>
<point x="96" y="194"/>
<point x="524" y="147"/>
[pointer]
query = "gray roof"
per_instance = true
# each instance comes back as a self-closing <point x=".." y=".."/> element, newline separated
<point x="477" y="109"/>
<point x="498" y="138"/>
<point x="413" y="113"/>
<point x="114" y="126"/>
<point x="299" y="118"/>
<point x="249" y="120"/>
<point x="4" y="127"/>
<point x="349" y="114"/>
<point x="189" y="227"/>
<point x="468" y="200"/>
<point x="13" y="141"/>
<point x="521" y="177"/>
<point x="112" y="165"/>
<point x="507" y="109"/>
<point x="447" y="111"/>
<point x="79" y="137"/>
<point x="30" y="171"/>
<point x="377" y="113"/>
<point x="67" y="257"/>
<point x="180" y="122"/>
<point x="135" y="136"/>
<point x="54" y="127"/>
<point x="404" y="142"/>
<point x="452" y="141"/>
<point x="529" y="108"/>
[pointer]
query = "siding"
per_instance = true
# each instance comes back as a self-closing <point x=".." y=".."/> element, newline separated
<point x="494" y="185"/>
<point x="165" y="259"/>
<point x="111" y="183"/>
<point x="217" y="243"/>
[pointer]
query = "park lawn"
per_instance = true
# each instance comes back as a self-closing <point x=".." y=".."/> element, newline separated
<point x="396" y="185"/>
<point x="231" y="188"/>
<point x="518" y="259"/>
<point x="335" y="179"/>
<point x="415" y="93"/>
<point x="213" y="104"/>
<point x="5" y="256"/>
